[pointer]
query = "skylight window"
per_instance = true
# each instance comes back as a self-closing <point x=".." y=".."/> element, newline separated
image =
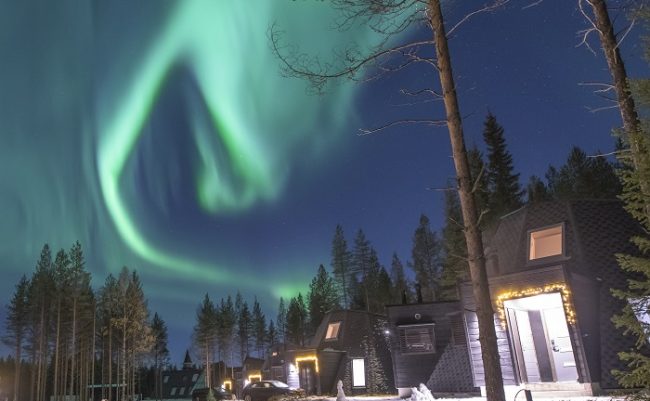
<point x="333" y="331"/>
<point x="545" y="243"/>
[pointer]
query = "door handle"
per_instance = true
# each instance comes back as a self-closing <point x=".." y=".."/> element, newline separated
<point x="554" y="347"/>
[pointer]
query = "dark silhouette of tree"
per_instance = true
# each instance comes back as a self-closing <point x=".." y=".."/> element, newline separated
<point x="536" y="190"/>
<point x="401" y="290"/>
<point x="341" y="265"/>
<point x="204" y="333"/>
<point x="425" y="260"/>
<point x="297" y="321"/>
<point x="361" y="264"/>
<point x="16" y="326"/>
<point x="258" y="328"/>
<point x="503" y="183"/>
<point x="322" y="298"/>
<point x="282" y="321"/>
<point x="159" y="353"/>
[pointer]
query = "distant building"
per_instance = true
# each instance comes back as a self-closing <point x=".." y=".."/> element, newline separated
<point x="179" y="384"/>
<point x="351" y="346"/>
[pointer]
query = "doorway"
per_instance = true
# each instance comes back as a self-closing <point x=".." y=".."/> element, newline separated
<point x="307" y="372"/>
<point x="540" y="339"/>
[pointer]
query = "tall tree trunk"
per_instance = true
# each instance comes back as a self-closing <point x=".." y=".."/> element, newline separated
<point x="627" y="108"/>
<point x="17" y="365"/>
<point x="110" y="363"/>
<point x="74" y="345"/>
<point x="56" y="350"/>
<point x="92" y="353"/>
<point x="484" y="311"/>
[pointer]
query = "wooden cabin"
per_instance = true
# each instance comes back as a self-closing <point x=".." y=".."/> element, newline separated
<point x="429" y="345"/>
<point x="551" y="267"/>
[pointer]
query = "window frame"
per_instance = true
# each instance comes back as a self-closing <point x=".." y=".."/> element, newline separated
<point x="354" y="377"/>
<point x="402" y="338"/>
<point x="529" y="238"/>
<point x="338" y="331"/>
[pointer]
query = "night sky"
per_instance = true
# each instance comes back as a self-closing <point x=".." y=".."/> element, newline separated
<point x="162" y="136"/>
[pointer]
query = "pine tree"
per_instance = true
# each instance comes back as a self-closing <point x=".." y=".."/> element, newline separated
<point x="271" y="334"/>
<point x="258" y="328"/>
<point x="322" y="298"/>
<point x="282" y="321"/>
<point x="361" y="264"/>
<point x="426" y="261"/>
<point x="503" y="184"/>
<point x="159" y="353"/>
<point x="583" y="177"/>
<point x="536" y="190"/>
<point x="341" y="265"/>
<point x="454" y="250"/>
<point x="204" y="333"/>
<point x="16" y="326"/>
<point x="479" y="177"/>
<point x="226" y="328"/>
<point x="401" y="291"/>
<point x="296" y="321"/>
<point x="244" y="330"/>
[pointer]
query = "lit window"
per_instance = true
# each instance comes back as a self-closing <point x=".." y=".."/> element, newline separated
<point x="173" y="392"/>
<point x="165" y="379"/>
<point x="359" y="372"/>
<point x="332" y="331"/>
<point x="417" y="339"/>
<point x="182" y="392"/>
<point x="544" y="243"/>
<point x="195" y="377"/>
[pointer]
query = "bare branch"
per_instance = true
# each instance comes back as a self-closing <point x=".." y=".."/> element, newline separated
<point x="437" y="123"/>
<point x="420" y="92"/>
<point x="536" y="3"/>
<point x="614" y="153"/>
<point x="605" y="87"/>
<point x="486" y="8"/>
<point x="629" y="28"/>
<point x="597" y="109"/>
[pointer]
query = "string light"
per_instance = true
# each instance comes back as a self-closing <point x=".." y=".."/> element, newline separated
<point x="257" y="376"/>
<point x="560" y="288"/>
<point x="307" y="358"/>
<point x="227" y="384"/>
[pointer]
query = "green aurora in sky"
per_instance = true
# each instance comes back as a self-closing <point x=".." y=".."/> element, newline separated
<point x="91" y="79"/>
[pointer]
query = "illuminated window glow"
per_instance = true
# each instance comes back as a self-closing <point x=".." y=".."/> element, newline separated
<point x="254" y="378"/>
<point x="545" y="243"/>
<point x="333" y="331"/>
<point x="307" y="358"/>
<point x="227" y="384"/>
<point x="359" y="372"/>
<point x="558" y="287"/>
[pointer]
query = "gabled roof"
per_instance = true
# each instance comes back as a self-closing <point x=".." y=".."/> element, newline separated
<point x="179" y="383"/>
<point x="355" y="325"/>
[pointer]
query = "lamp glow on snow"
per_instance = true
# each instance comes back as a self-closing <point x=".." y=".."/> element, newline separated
<point x="560" y="288"/>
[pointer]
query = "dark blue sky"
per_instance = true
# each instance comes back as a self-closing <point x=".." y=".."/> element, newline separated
<point x="236" y="177"/>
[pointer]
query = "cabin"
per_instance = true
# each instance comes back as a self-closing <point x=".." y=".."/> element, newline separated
<point x="351" y="346"/>
<point x="428" y="345"/>
<point x="179" y="384"/>
<point x="551" y="267"/>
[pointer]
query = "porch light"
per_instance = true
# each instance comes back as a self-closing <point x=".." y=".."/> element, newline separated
<point x="307" y="358"/>
<point x="528" y="292"/>
<point x="227" y="384"/>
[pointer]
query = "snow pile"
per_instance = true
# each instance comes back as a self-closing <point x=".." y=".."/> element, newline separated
<point x="423" y="394"/>
<point x="340" y="395"/>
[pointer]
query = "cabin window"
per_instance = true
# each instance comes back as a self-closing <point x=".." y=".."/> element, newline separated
<point x="165" y="379"/>
<point x="333" y="331"/>
<point x="195" y="377"/>
<point x="545" y="243"/>
<point x="358" y="372"/>
<point x="182" y="392"/>
<point x="417" y="339"/>
<point x="173" y="392"/>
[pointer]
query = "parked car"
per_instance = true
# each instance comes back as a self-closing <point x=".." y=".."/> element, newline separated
<point x="201" y="394"/>
<point x="265" y="389"/>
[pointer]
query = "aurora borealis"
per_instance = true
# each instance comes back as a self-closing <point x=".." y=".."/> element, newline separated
<point x="161" y="135"/>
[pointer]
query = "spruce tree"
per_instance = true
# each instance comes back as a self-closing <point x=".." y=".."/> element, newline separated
<point x="296" y="321"/>
<point x="204" y="333"/>
<point x="258" y="328"/>
<point x="322" y="298"/>
<point x="454" y="250"/>
<point x="271" y="334"/>
<point x="244" y="330"/>
<point x="400" y="291"/>
<point x="536" y="190"/>
<point x="341" y="265"/>
<point x="282" y="321"/>
<point x="159" y="353"/>
<point x="361" y="264"/>
<point x="425" y="260"/>
<point x="16" y="326"/>
<point x="503" y="183"/>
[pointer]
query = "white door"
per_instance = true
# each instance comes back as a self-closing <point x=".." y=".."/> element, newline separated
<point x="559" y="344"/>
